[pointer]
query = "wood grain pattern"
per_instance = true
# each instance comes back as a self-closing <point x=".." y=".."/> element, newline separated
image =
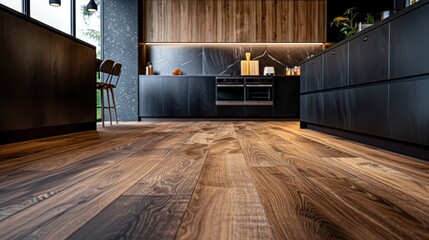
<point x="210" y="180"/>
<point x="136" y="217"/>
<point x="234" y="21"/>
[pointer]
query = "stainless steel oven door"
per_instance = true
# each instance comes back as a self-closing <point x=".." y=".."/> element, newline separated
<point x="230" y="94"/>
<point x="259" y="94"/>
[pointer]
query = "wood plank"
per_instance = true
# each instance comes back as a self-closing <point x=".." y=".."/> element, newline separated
<point x="136" y="217"/>
<point x="36" y="187"/>
<point x="295" y="209"/>
<point x="77" y="204"/>
<point x="225" y="203"/>
<point x="177" y="175"/>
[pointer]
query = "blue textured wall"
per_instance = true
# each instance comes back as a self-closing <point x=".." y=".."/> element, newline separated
<point x="120" y="42"/>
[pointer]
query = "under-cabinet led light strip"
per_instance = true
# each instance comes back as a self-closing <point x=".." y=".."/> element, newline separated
<point x="229" y="44"/>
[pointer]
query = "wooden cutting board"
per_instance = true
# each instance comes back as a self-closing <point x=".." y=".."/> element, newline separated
<point x="250" y="67"/>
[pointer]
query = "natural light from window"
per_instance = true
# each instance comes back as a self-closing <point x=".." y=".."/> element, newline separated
<point x="14" y="4"/>
<point x="88" y="24"/>
<point x="57" y="17"/>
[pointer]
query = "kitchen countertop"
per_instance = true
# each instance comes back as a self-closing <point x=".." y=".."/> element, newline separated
<point x="213" y="75"/>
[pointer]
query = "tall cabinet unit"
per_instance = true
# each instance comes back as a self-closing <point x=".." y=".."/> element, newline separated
<point x="374" y="84"/>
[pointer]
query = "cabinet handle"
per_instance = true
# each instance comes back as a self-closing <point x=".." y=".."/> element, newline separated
<point x="365" y="38"/>
<point x="333" y="52"/>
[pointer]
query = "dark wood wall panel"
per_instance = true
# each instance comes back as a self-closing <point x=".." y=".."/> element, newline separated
<point x="86" y="101"/>
<point x="2" y="93"/>
<point x="47" y="80"/>
<point x="63" y="81"/>
<point x="234" y="21"/>
<point x="26" y="76"/>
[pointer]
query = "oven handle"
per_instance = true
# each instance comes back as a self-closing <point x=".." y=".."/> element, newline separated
<point x="248" y="85"/>
<point x="230" y="85"/>
<point x="259" y="103"/>
<point x="230" y="103"/>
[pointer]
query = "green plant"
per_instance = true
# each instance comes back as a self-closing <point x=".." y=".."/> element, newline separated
<point x="347" y="22"/>
<point x="369" y="19"/>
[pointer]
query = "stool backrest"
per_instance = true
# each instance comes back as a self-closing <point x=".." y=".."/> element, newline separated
<point x="116" y="71"/>
<point x="107" y="67"/>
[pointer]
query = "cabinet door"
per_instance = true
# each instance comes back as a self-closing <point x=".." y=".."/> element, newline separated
<point x="26" y="75"/>
<point x="369" y="56"/>
<point x="151" y="97"/>
<point x="175" y="91"/>
<point x="314" y="74"/>
<point x="336" y="67"/>
<point x="286" y="97"/>
<point x="303" y="83"/>
<point x="409" y="111"/>
<point x="409" y="53"/>
<point x="336" y="111"/>
<point x="202" y="102"/>
<point x="303" y="112"/>
<point x="315" y="108"/>
<point x="368" y="110"/>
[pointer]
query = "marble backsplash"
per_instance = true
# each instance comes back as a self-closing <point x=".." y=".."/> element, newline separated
<point x="195" y="60"/>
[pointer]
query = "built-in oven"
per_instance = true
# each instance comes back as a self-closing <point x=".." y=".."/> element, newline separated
<point x="259" y="91"/>
<point x="230" y="91"/>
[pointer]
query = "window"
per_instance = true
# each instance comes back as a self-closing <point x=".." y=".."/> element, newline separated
<point x="88" y="24"/>
<point x="57" y="17"/>
<point x="14" y="4"/>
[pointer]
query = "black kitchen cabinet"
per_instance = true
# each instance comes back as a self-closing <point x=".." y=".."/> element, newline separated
<point x="336" y="67"/>
<point x="314" y="74"/>
<point x="409" y="44"/>
<point x="202" y="102"/>
<point x="315" y="108"/>
<point x="26" y="75"/>
<point x="336" y="110"/>
<point x="409" y="111"/>
<point x="286" y="96"/>
<point x="151" y="97"/>
<point x="369" y="57"/>
<point x="303" y="83"/>
<point x="369" y="110"/>
<point x="175" y="91"/>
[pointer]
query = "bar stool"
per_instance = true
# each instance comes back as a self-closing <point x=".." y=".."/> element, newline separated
<point x="106" y="67"/>
<point x="116" y="73"/>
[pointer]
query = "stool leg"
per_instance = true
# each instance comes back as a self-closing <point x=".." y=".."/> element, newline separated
<point x="102" y="106"/>
<point x="108" y="103"/>
<point x="114" y="104"/>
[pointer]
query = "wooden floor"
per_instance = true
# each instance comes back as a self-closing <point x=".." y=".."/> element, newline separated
<point x="209" y="180"/>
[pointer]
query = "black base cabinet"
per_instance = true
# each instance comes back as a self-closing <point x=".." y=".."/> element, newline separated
<point x="151" y="99"/>
<point x="335" y="67"/>
<point x="409" y="44"/>
<point x="336" y="109"/>
<point x="202" y="97"/>
<point x="286" y="96"/>
<point x="385" y="101"/>
<point x="369" y="56"/>
<point x="409" y="111"/>
<point x="369" y="110"/>
<point x="175" y="92"/>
